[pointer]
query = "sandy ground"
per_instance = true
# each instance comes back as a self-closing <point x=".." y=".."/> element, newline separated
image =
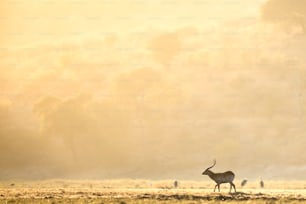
<point x="142" y="191"/>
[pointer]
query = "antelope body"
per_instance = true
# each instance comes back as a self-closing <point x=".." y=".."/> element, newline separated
<point x="219" y="178"/>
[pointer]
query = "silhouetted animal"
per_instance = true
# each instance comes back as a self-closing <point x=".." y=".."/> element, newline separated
<point x="244" y="182"/>
<point x="175" y="184"/>
<point x="219" y="178"/>
<point x="262" y="184"/>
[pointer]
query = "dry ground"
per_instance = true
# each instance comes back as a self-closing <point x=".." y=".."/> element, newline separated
<point x="144" y="191"/>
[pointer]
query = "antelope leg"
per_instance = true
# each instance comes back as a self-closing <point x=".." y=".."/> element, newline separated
<point x="233" y="186"/>
<point x="215" y="187"/>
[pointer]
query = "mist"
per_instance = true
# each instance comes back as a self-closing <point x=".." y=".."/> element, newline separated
<point x="158" y="99"/>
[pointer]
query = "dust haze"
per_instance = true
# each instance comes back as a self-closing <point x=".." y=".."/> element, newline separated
<point x="102" y="90"/>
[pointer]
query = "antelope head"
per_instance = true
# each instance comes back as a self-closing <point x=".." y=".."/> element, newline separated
<point x="207" y="171"/>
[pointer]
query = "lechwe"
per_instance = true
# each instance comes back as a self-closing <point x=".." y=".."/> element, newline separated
<point x="226" y="177"/>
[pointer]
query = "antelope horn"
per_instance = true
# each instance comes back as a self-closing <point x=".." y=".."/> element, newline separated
<point x="212" y="165"/>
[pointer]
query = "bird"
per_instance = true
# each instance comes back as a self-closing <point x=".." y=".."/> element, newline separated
<point x="244" y="182"/>
<point x="262" y="184"/>
<point x="175" y="184"/>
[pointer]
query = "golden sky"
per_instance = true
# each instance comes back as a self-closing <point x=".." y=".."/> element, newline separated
<point x="152" y="89"/>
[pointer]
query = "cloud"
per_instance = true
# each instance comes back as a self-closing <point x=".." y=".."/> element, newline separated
<point x="158" y="104"/>
<point x="291" y="14"/>
<point x="165" y="47"/>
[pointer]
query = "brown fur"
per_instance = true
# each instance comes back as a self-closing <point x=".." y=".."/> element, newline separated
<point x="219" y="178"/>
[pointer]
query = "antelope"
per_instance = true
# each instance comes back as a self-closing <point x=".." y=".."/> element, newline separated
<point x="219" y="178"/>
